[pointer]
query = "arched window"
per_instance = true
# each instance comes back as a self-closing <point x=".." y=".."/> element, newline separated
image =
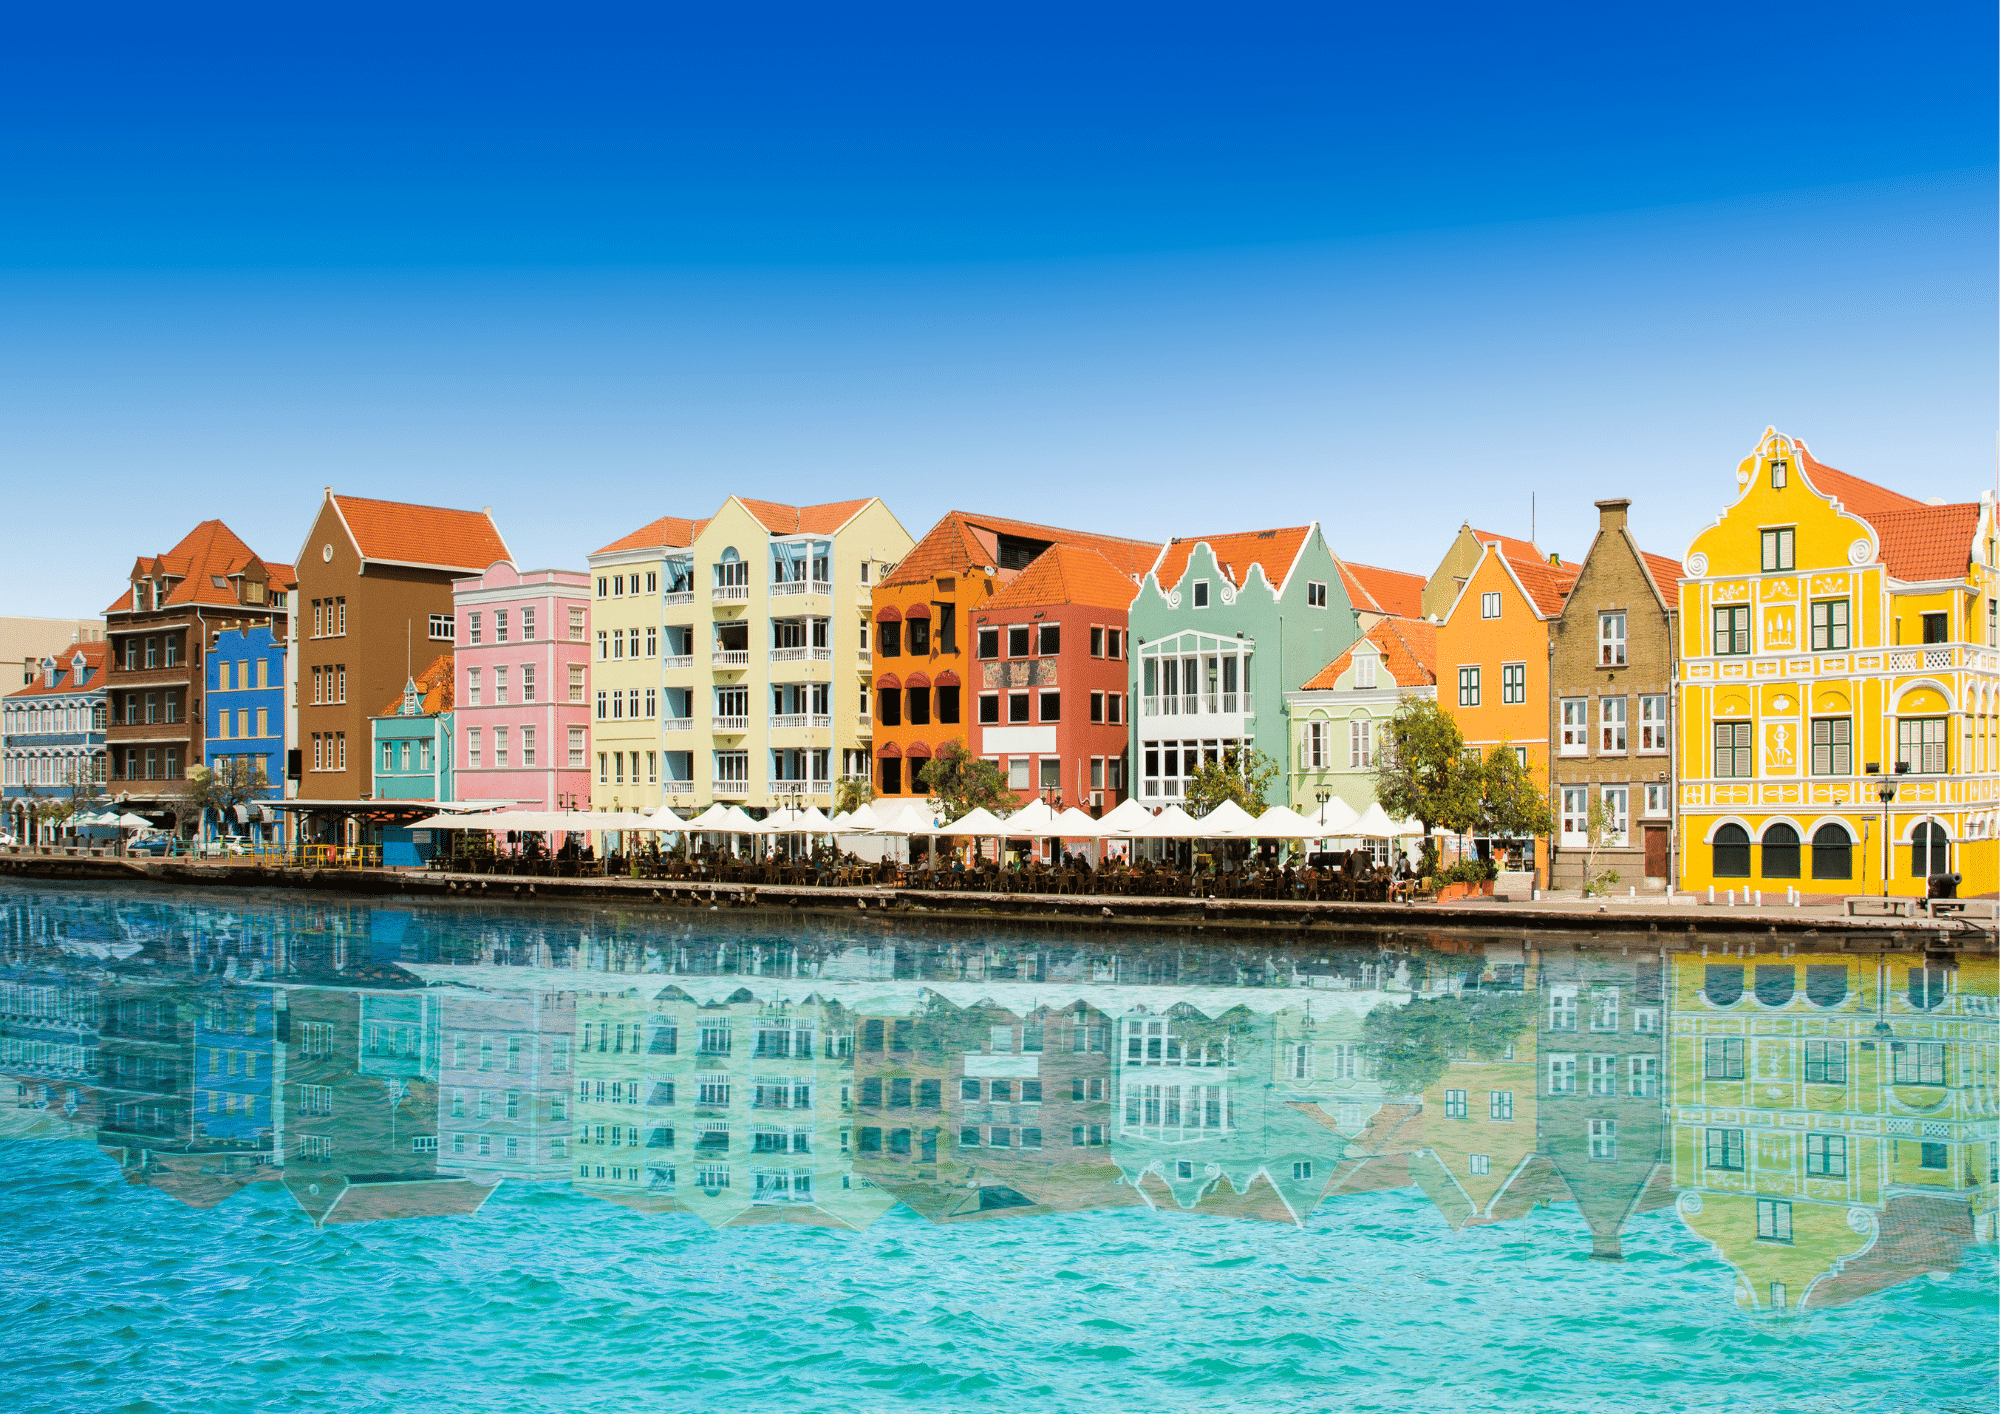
<point x="1930" y="851"/>
<point x="1732" y="852"/>
<point x="1723" y="984"/>
<point x="1781" y="852"/>
<point x="1832" y="853"/>
<point x="1775" y="984"/>
<point x="1826" y="984"/>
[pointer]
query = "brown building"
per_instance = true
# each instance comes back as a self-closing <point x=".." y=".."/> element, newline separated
<point x="155" y="632"/>
<point x="923" y="636"/>
<point x="1611" y="673"/>
<point x="374" y="599"/>
<point x="1442" y="589"/>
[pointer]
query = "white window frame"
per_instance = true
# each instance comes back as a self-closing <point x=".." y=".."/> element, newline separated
<point x="1489" y="604"/>
<point x="1360" y="743"/>
<point x="1653" y="734"/>
<point x="1618" y="802"/>
<point x="1575" y="726"/>
<point x="1613" y="724"/>
<point x="1575" y="815"/>
<point x="1364" y="670"/>
<point x="1611" y="639"/>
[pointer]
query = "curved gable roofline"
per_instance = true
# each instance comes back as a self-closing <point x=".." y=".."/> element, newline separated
<point x="1797" y="455"/>
<point x="1311" y="531"/>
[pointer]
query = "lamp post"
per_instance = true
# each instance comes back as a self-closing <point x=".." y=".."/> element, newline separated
<point x="1885" y="792"/>
<point x="1322" y="795"/>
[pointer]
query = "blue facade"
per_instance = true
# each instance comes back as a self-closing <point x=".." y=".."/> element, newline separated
<point x="52" y="743"/>
<point x="235" y="1063"/>
<point x="413" y="760"/>
<point x="245" y="714"/>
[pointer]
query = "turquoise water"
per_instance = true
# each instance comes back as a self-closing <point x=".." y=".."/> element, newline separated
<point x="171" y="1269"/>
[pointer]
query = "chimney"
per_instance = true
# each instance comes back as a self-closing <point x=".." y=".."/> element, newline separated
<point x="1604" y="1246"/>
<point x="1611" y="513"/>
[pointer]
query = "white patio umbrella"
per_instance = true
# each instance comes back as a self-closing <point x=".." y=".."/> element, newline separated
<point x="663" y="818"/>
<point x="1228" y="821"/>
<point x="1035" y="820"/>
<point x="1173" y="823"/>
<point x="1280" y="822"/>
<point x="977" y="824"/>
<point x="1127" y="821"/>
<point x="1073" y="824"/>
<point x="909" y="818"/>
<point x="1333" y="820"/>
<point x="861" y="818"/>
<point x="715" y="819"/>
<point x="1374" y="823"/>
<point x="129" y="821"/>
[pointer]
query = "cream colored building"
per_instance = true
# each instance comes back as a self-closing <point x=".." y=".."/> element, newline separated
<point x="731" y="655"/>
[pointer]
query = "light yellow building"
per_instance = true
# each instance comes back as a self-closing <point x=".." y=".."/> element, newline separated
<point x="1838" y="638"/>
<point x="1832" y="1117"/>
<point x="732" y="654"/>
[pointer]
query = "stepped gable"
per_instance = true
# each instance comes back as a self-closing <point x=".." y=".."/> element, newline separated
<point x="1271" y="550"/>
<point x="398" y="533"/>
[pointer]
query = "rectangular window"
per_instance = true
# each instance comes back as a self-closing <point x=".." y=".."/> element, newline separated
<point x="472" y="687"/>
<point x="527" y="746"/>
<point x="1611" y="723"/>
<point x="1916" y="1063"/>
<point x="989" y="643"/>
<point x="989" y="708"/>
<point x="1364" y="671"/>
<point x="1562" y="1074"/>
<point x="576" y="682"/>
<point x="1829" y="625"/>
<point x="1732" y="749"/>
<point x="1774" y="1219"/>
<point x="1920" y="743"/>
<point x="1500" y="1105"/>
<point x="1611" y="640"/>
<point x="1360" y="743"/>
<point x="1642" y="1073"/>
<point x="1489" y="606"/>
<point x="1833" y="746"/>
<point x="1604" y="1008"/>
<point x="527" y="682"/>
<point x="1049" y="640"/>
<point x="1652" y="725"/>
<point x="1576" y="726"/>
<point x="1723" y="1058"/>
<point x="1777" y="545"/>
<point x="1513" y="683"/>
<point x="1826" y="1155"/>
<point x="1603" y="1140"/>
<point x="1732" y="630"/>
<point x="576" y="748"/>
<point x="1051" y="706"/>
<point x="1017" y="773"/>
<point x="1017" y="706"/>
<point x="1454" y="1104"/>
<point x="499" y="625"/>
<point x="1562" y="1008"/>
<point x="1724" y="1150"/>
<point x="1468" y="687"/>
<point x="472" y="746"/>
<point x="1826" y="1062"/>
<point x="1575" y="815"/>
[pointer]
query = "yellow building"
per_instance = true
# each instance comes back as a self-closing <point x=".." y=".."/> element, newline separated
<point x="731" y="655"/>
<point x="1832" y="1117"/>
<point x="1838" y="639"/>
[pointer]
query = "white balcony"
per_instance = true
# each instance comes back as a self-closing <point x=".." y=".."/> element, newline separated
<point x="795" y="721"/>
<point x="677" y="724"/>
<point x="865" y="661"/>
<point x="737" y="789"/>
<point x="801" y="586"/>
<point x="686" y="596"/>
<point x="732" y="725"/>
<point x="683" y="660"/>
<point x="801" y="655"/>
<point x="732" y="658"/>
<point x="729" y="593"/>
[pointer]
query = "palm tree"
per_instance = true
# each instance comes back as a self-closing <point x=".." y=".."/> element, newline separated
<point x="851" y="794"/>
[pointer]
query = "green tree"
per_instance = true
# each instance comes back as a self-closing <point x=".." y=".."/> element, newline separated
<point x="1231" y="778"/>
<point x="960" y="783"/>
<point x="851" y="794"/>
<point x="1411" y="1046"/>
<point x="1511" y="805"/>
<point x="226" y="785"/>
<point x="1600" y="823"/>
<point x="1424" y="772"/>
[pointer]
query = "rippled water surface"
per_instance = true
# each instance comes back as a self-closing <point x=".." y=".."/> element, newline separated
<point x="298" y="1153"/>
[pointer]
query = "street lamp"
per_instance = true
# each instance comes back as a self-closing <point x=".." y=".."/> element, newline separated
<point x="1886" y="793"/>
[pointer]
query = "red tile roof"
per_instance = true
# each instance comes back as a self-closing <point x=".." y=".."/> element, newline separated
<point x="781" y="519"/>
<point x="1409" y="655"/>
<point x="210" y="551"/>
<point x="1512" y="547"/>
<point x="964" y="541"/>
<point x="1067" y="574"/>
<point x="673" y="532"/>
<point x="93" y="671"/>
<point x="1383" y="591"/>
<point x="283" y="576"/>
<point x="1928" y="543"/>
<point x="434" y="686"/>
<point x="1274" y="550"/>
<point x="422" y="535"/>
<point x="1547" y="585"/>
<point x="1864" y="498"/>
<point x="1666" y="576"/>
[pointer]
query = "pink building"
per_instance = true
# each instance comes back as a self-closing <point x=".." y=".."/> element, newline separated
<point x="523" y="667"/>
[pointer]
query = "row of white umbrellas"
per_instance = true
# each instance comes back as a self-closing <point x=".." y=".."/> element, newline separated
<point x="1036" y="820"/>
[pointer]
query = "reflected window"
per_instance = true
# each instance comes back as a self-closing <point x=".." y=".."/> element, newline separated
<point x="1722" y="984"/>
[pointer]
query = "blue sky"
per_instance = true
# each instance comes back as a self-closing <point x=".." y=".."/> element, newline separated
<point x="1156" y="270"/>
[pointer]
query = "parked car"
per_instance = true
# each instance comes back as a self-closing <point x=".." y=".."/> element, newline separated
<point x="151" y="844"/>
<point x="227" y="845"/>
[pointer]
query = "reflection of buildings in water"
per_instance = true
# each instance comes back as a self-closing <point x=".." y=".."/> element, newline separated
<point x="504" y="1081"/>
<point x="1832" y="1118"/>
<point x="236" y="1066"/>
<point x="51" y="1019"/>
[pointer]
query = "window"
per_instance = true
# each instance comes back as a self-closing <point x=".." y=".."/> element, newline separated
<point x="1604" y="1009"/>
<point x="1732" y="749"/>
<point x="1603" y="1075"/>
<point x="1603" y="1140"/>
<point x="1454" y="1104"/>
<point x="1826" y="1155"/>
<point x="1468" y="687"/>
<point x="1724" y="1149"/>
<point x="1774" y="1218"/>
<point x="1364" y="671"/>
<point x="1781" y="851"/>
<point x="1201" y="594"/>
<point x="1017" y="706"/>
<point x="989" y="708"/>
<point x="1017" y="640"/>
<point x="1017" y="773"/>
<point x="1732" y="630"/>
<point x="1051" y="706"/>
<point x="1314" y="749"/>
<point x="1575" y="815"/>
<point x="1642" y="1073"/>
<point x="577" y="626"/>
<point x="1722" y="1058"/>
<point x="1562" y="1074"/>
<point x="576" y="682"/>
<point x="1479" y="1163"/>
<point x="1489" y="606"/>
<point x="1652" y="725"/>
<point x="1611" y="640"/>
<point x="1933" y="1156"/>
<point x="1611" y="722"/>
<point x="1916" y="1063"/>
<point x="1513" y="683"/>
<point x="1114" y="643"/>
<point x="1937" y="629"/>
<point x="1360" y="743"/>
<point x="1575" y="726"/>
<point x="1562" y="1008"/>
<point x="989" y="643"/>
<point x="1826" y="1062"/>
<point x="1829" y="625"/>
<point x="1777" y="544"/>
<point x="576" y="761"/>
<point x="1920" y="743"/>
<point x="499" y="625"/>
<point x="1049" y="640"/>
<point x="1315" y="594"/>
<point x="527" y="746"/>
<point x="1500" y="1105"/>
<point x="444" y="627"/>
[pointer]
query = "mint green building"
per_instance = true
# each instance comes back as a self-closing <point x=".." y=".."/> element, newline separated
<point x="1221" y="626"/>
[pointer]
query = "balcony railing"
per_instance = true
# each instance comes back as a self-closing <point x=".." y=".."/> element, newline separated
<point x="732" y="788"/>
<point x="801" y="586"/>
<point x="1916" y="660"/>
<point x="793" y="721"/>
<point x="864" y="660"/>
<point x="729" y="593"/>
<point x="681" y="660"/>
<point x="801" y="655"/>
<point x="732" y="657"/>
<point x="732" y="724"/>
<point x="677" y="724"/>
<point x="684" y="596"/>
<point x="1194" y="704"/>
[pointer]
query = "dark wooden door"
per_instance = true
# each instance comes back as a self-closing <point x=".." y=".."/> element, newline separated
<point x="1656" y="852"/>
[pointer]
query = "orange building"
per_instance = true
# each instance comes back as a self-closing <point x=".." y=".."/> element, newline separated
<point x="924" y="643"/>
<point x="1493" y="664"/>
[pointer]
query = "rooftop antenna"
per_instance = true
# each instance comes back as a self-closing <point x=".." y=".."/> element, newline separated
<point x="1531" y="521"/>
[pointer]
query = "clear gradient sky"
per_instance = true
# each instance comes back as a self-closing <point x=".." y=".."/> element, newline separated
<point x="1148" y="269"/>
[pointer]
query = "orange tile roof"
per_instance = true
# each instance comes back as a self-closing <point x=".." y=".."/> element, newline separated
<point x="1511" y="546"/>
<point x="434" y="684"/>
<point x="1666" y="576"/>
<point x="1864" y="498"/>
<point x="93" y="666"/>
<point x="673" y="532"/>
<point x="964" y="541"/>
<point x="422" y="535"/>
<point x="1409" y="654"/>
<point x="781" y="519"/>
<point x="1383" y="591"/>
<point x="283" y="576"/>
<point x="1067" y="574"/>
<point x="1928" y="543"/>
<point x="1547" y="585"/>
<point x="210" y="550"/>
<point x="1274" y="550"/>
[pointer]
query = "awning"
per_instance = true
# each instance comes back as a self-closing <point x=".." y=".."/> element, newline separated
<point x="889" y="681"/>
<point x="916" y="750"/>
<point x="917" y="680"/>
<point x="886" y="615"/>
<point x="891" y="750"/>
<point x="947" y="678"/>
<point x="917" y="611"/>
